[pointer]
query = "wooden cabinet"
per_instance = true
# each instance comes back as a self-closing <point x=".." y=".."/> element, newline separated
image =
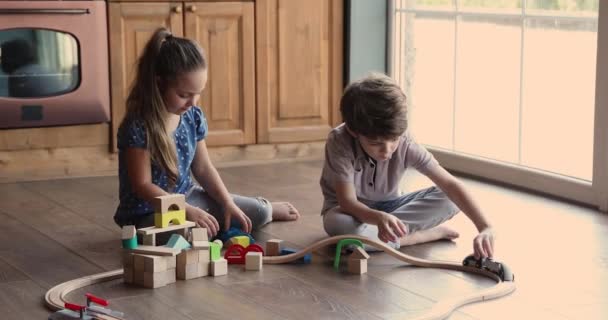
<point x="275" y="66"/>
<point x="299" y="69"/>
<point x="225" y="31"/>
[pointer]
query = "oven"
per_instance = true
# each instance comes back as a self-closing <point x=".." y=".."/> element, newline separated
<point x="53" y="63"/>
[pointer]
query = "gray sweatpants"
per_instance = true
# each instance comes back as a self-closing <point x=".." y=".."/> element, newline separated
<point x="419" y="210"/>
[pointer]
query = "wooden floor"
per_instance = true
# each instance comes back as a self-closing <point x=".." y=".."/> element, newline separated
<point x="54" y="231"/>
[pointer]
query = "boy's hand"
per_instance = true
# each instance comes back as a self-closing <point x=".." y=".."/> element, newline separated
<point x="232" y="210"/>
<point x="390" y="228"/>
<point x="483" y="244"/>
<point x="203" y="219"/>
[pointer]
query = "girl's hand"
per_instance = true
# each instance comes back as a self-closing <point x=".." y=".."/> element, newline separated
<point x="390" y="228"/>
<point x="232" y="210"/>
<point x="483" y="244"/>
<point x="203" y="219"/>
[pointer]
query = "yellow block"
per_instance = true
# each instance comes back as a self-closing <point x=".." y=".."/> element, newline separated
<point x="162" y="220"/>
<point x="242" y="240"/>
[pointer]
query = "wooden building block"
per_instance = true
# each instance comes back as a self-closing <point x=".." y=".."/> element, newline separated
<point x="128" y="232"/>
<point x="359" y="253"/>
<point x="138" y="278"/>
<point x="215" y="251"/>
<point x="162" y="220"/>
<point x="357" y="266"/>
<point x="187" y="272"/>
<point x="127" y="258"/>
<point x="127" y="275"/>
<point x="156" y="251"/>
<point x="171" y="262"/>
<point x="187" y="257"/>
<point x="155" y="264"/>
<point x="149" y="239"/>
<point x="242" y="240"/>
<point x="178" y="242"/>
<point x="129" y="237"/>
<point x="203" y="268"/>
<point x="273" y="247"/>
<point x="151" y="230"/>
<point x="199" y="234"/>
<point x="204" y="255"/>
<point x="157" y="279"/>
<point x="253" y="261"/>
<point x="219" y="267"/>
<point x="200" y="244"/>
<point x="139" y="263"/>
<point x="163" y="204"/>
<point x="171" y="275"/>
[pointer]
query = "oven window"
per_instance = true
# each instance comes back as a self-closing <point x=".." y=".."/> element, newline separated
<point x="38" y="63"/>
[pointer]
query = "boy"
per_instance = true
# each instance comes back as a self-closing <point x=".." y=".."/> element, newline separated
<point x="365" y="159"/>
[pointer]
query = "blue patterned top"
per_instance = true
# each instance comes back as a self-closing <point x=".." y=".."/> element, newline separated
<point x="192" y="128"/>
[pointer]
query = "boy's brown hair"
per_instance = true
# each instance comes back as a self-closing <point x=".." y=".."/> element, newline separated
<point x="374" y="107"/>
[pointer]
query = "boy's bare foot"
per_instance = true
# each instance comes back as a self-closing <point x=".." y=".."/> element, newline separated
<point x="422" y="236"/>
<point x="284" y="211"/>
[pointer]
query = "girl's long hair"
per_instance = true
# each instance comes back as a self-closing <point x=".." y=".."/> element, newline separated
<point x="164" y="58"/>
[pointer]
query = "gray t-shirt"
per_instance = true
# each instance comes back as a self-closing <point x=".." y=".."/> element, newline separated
<point x="345" y="161"/>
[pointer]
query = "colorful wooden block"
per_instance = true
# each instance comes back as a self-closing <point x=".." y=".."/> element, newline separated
<point x="242" y="240"/>
<point x="129" y="237"/>
<point x="177" y="242"/>
<point x="306" y="259"/>
<point x="215" y="251"/>
<point x="176" y="217"/>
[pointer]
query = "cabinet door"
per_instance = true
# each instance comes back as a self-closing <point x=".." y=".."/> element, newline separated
<point x="299" y="68"/>
<point x="226" y="33"/>
<point x="131" y="26"/>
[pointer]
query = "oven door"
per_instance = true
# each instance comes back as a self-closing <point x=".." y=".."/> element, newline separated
<point x="53" y="63"/>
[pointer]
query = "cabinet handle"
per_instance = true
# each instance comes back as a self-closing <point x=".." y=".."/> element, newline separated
<point x="192" y="8"/>
<point x="177" y="9"/>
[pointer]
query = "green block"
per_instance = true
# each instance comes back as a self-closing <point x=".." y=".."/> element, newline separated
<point x="341" y="243"/>
<point x="215" y="251"/>
<point x="178" y="242"/>
<point x="130" y="243"/>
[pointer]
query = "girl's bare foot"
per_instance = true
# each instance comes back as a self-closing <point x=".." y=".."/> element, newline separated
<point x="422" y="236"/>
<point x="284" y="211"/>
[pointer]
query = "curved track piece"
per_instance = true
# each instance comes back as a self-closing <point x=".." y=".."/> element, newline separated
<point x="55" y="297"/>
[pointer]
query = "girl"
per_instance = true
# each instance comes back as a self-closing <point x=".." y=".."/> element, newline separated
<point x="161" y="141"/>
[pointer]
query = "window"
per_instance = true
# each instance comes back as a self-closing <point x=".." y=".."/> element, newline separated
<point x="508" y="82"/>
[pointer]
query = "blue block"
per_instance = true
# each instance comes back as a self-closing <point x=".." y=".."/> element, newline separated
<point x="233" y="232"/>
<point x="306" y="259"/>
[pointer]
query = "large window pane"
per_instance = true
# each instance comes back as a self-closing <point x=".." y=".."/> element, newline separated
<point x="431" y="94"/>
<point x="558" y="96"/>
<point x="487" y="88"/>
<point x="515" y="82"/>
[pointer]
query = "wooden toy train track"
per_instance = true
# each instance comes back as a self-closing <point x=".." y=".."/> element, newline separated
<point x="56" y="297"/>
